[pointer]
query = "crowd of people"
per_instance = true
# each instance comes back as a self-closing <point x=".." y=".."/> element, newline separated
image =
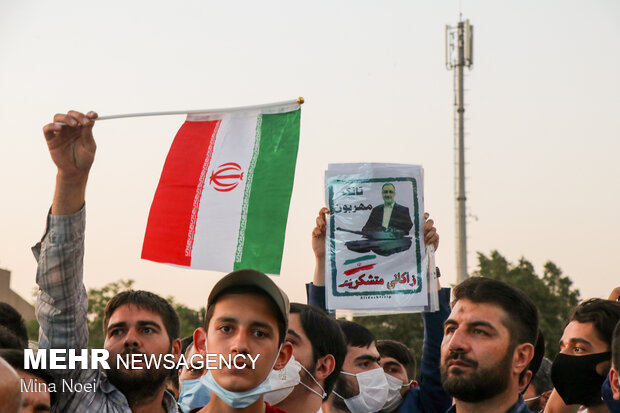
<point x="483" y="351"/>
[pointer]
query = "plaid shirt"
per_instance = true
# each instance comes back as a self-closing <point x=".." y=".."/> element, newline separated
<point x="61" y="310"/>
<point x="518" y="407"/>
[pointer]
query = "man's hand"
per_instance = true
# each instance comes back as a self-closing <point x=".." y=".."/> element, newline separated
<point x="318" y="246"/>
<point x="318" y="235"/>
<point x="615" y="294"/>
<point x="431" y="237"/>
<point x="72" y="148"/>
<point x="72" y="145"/>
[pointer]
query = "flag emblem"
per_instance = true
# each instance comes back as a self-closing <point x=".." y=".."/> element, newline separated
<point x="226" y="177"/>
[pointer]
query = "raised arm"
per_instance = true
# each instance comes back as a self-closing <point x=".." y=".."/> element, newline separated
<point x="316" y="289"/>
<point x="62" y="302"/>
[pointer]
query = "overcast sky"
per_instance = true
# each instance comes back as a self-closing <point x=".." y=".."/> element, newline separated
<point x="543" y="130"/>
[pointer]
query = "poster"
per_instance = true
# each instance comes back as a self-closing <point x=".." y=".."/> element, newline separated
<point x="375" y="249"/>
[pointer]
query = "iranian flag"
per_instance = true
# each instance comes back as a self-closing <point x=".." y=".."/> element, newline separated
<point x="223" y="197"/>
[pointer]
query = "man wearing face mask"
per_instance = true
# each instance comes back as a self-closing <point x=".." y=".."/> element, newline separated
<point x="319" y="348"/>
<point x="362" y="386"/>
<point x="584" y="360"/>
<point x="192" y="394"/>
<point x="399" y="365"/>
<point x="247" y="318"/>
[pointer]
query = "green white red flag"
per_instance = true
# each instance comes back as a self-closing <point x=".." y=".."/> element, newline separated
<point x="223" y="197"/>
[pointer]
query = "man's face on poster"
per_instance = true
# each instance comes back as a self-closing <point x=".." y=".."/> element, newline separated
<point x="388" y="192"/>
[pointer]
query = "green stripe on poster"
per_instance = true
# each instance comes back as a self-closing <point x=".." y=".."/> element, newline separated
<point x="270" y="196"/>
<point x="364" y="258"/>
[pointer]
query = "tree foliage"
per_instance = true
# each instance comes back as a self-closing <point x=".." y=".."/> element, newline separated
<point x="98" y="299"/>
<point x="553" y="294"/>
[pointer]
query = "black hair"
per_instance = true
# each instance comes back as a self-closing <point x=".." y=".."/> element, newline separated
<point x="14" y="322"/>
<point x="399" y="352"/>
<point x="9" y="339"/>
<point x="356" y="335"/>
<point x="15" y="358"/>
<point x="325" y="336"/>
<point x="539" y="353"/>
<point x="148" y="301"/>
<point x="522" y="314"/>
<point x="248" y="289"/>
<point x="603" y="314"/>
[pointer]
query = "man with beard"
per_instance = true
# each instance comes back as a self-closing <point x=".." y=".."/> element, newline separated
<point x="318" y="345"/>
<point x="135" y="321"/>
<point x="488" y="343"/>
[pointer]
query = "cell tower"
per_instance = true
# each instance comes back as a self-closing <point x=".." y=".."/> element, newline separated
<point x="459" y="55"/>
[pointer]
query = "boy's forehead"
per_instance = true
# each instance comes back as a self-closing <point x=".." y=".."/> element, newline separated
<point x="245" y="306"/>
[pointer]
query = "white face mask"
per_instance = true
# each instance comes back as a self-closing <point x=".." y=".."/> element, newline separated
<point x="243" y="399"/>
<point x="373" y="391"/>
<point x="293" y="367"/>
<point x="285" y="380"/>
<point x="394" y="398"/>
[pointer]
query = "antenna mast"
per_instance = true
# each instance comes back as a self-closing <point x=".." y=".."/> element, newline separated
<point x="459" y="54"/>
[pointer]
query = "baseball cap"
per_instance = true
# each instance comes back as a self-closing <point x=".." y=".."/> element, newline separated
<point x="252" y="278"/>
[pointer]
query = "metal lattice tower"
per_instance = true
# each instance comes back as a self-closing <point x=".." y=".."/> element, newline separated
<point x="459" y="55"/>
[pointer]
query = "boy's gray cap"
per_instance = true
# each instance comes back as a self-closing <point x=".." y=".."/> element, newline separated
<point x="252" y="278"/>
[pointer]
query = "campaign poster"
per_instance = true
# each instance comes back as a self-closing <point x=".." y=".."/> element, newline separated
<point x="375" y="253"/>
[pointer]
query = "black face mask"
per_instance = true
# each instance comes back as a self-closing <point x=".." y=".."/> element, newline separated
<point x="575" y="378"/>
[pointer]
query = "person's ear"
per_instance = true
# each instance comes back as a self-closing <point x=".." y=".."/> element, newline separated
<point x="522" y="356"/>
<point x="200" y="340"/>
<point x="324" y="367"/>
<point x="176" y="348"/>
<point x="285" y="355"/>
<point x="544" y="398"/>
<point x="614" y="375"/>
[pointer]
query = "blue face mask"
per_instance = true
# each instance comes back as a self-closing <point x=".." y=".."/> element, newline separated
<point x="193" y="395"/>
<point x="608" y="397"/>
<point x="237" y="400"/>
<point x="243" y="399"/>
